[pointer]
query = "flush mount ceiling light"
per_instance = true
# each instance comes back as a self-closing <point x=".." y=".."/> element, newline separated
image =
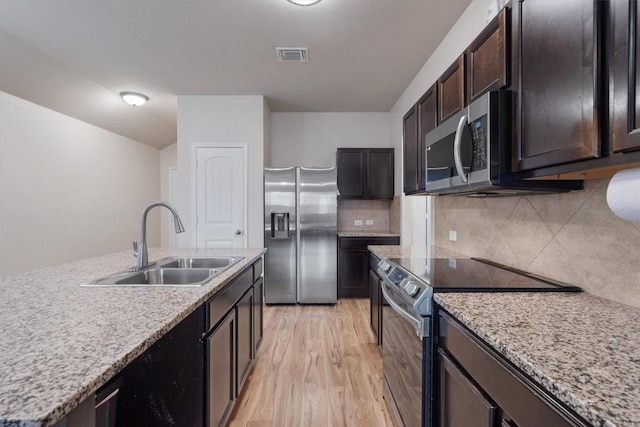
<point x="304" y="2"/>
<point x="134" y="98"/>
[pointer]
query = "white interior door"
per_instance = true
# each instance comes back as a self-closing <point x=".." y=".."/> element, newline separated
<point x="220" y="197"/>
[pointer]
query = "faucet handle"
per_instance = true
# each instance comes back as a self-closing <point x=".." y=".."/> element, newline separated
<point x="135" y="248"/>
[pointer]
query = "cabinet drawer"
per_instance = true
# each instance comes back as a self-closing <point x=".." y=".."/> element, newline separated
<point x="363" y="242"/>
<point x="257" y="270"/>
<point x="223" y="301"/>
<point x="461" y="402"/>
<point x="526" y="402"/>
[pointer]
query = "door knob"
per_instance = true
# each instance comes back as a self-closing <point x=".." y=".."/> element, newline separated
<point x="238" y="232"/>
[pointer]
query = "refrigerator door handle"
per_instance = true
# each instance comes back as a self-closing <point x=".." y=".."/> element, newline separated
<point x="298" y="231"/>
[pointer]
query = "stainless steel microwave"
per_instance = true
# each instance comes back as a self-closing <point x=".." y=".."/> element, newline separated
<point x="470" y="153"/>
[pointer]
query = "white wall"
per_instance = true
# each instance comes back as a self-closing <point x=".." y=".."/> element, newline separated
<point x="311" y="139"/>
<point x="69" y="190"/>
<point x="222" y="119"/>
<point x="472" y="21"/>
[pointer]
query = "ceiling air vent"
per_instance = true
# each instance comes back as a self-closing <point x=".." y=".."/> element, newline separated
<point x="292" y="54"/>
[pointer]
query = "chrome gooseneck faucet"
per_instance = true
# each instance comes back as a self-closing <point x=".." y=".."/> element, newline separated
<point x="140" y="250"/>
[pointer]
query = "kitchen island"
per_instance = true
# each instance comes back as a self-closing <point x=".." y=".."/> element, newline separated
<point x="582" y="350"/>
<point x="61" y="342"/>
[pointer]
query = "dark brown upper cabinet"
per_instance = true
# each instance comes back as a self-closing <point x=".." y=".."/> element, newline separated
<point x="410" y="149"/>
<point x="559" y="75"/>
<point x="488" y="58"/>
<point x="625" y="110"/>
<point x="451" y="90"/>
<point x="365" y="173"/>
<point x="427" y="121"/>
<point x="418" y="121"/>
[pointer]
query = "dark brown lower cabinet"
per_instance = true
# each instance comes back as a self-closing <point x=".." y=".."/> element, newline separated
<point x="479" y="387"/>
<point x="245" y="337"/>
<point x="258" y="315"/>
<point x="220" y="347"/>
<point x="353" y="264"/>
<point x="461" y="402"/>
<point x="194" y="374"/>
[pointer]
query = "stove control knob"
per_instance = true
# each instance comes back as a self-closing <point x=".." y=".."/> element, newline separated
<point x="412" y="289"/>
<point x="408" y="285"/>
<point x="405" y="283"/>
<point x="384" y="266"/>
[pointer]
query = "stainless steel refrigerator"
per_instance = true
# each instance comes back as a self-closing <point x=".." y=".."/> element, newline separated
<point x="300" y="224"/>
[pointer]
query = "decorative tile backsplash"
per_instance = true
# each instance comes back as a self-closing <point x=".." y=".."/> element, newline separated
<point x="572" y="237"/>
<point x="350" y="211"/>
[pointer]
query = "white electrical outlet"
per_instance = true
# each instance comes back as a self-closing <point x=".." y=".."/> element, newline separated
<point x="453" y="236"/>
<point x="369" y="222"/>
<point x="357" y="222"/>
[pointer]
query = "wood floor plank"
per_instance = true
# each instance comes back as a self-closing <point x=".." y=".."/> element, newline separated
<point x="317" y="366"/>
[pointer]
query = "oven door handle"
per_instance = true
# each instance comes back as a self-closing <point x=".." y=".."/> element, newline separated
<point x="415" y="321"/>
<point x="457" y="142"/>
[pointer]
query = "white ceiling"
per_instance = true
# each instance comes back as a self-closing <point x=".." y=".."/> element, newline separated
<point x="75" y="56"/>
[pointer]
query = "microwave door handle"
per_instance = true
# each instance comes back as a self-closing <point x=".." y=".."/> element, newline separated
<point x="457" y="142"/>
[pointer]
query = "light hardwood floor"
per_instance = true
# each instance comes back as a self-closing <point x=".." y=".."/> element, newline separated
<point x="317" y="366"/>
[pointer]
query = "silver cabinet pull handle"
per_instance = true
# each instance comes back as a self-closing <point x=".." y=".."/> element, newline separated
<point x="456" y="149"/>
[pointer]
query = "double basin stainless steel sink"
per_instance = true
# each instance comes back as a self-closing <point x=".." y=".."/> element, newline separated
<point x="172" y="271"/>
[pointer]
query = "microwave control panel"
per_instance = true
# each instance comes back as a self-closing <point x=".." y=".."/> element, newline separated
<point x="479" y="138"/>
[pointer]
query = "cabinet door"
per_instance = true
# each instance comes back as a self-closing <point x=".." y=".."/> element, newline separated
<point x="374" y="304"/>
<point x="461" y="404"/>
<point x="351" y="173"/>
<point x="410" y="149"/>
<point x="164" y="385"/>
<point x="244" y="335"/>
<point x="626" y="78"/>
<point x="427" y="121"/>
<point x="258" y="313"/>
<point x="558" y="78"/>
<point x="451" y="90"/>
<point x="488" y="58"/>
<point x="379" y="173"/>
<point x="353" y="266"/>
<point x="221" y="370"/>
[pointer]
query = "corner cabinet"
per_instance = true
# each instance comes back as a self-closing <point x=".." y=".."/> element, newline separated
<point x="365" y="173"/>
<point x="353" y="264"/>
<point x="477" y="386"/>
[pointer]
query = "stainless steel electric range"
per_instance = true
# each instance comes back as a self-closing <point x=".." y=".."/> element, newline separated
<point x="408" y="285"/>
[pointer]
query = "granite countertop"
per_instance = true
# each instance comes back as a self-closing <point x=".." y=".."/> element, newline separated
<point x="366" y="234"/>
<point x="583" y="349"/>
<point x="61" y="342"/>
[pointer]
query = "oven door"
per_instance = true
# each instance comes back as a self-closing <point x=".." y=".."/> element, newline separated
<point x="405" y="360"/>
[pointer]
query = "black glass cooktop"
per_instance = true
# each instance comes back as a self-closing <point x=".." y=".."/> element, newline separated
<point x="477" y="275"/>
